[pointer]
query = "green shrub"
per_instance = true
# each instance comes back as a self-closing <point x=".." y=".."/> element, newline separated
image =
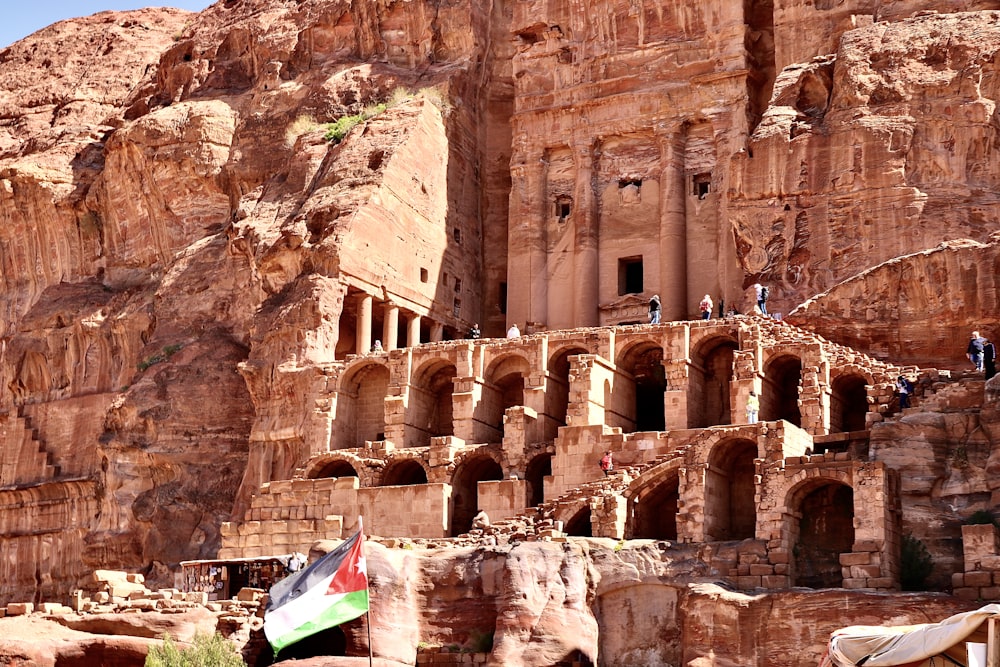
<point x="915" y="564"/>
<point x="338" y="129"/>
<point x="206" y="651"/>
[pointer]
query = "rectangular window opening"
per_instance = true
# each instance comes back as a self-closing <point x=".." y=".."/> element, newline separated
<point x="629" y="275"/>
<point x="702" y="185"/>
<point x="458" y="284"/>
<point x="423" y="275"/>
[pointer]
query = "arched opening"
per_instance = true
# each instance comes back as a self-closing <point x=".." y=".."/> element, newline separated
<point x="848" y="404"/>
<point x="538" y="469"/>
<point x="708" y="384"/>
<point x="557" y="389"/>
<point x="336" y="468"/>
<point x="361" y="406"/>
<point x="825" y="531"/>
<point x="730" y="510"/>
<point x="504" y="388"/>
<point x="404" y="473"/>
<point x="465" y="490"/>
<point x="780" y="398"/>
<point x="636" y="401"/>
<point x="430" y="411"/>
<point x="655" y="510"/>
<point x="579" y="525"/>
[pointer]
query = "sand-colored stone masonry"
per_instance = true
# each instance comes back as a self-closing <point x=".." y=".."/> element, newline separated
<point x="716" y="482"/>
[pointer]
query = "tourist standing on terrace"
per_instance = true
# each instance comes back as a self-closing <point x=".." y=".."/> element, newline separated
<point x="654" y="309"/>
<point x="762" y="294"/>
<point x="474" y="333"/>
<point x="706" y="307"/>
<point x="513" y="332"/>
<point x="989" y="359"/>
<point x="753" y="407"/>
<point x="905" y="388"/>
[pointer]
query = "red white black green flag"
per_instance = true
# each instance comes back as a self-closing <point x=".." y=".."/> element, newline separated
<point x="331" y="591"/>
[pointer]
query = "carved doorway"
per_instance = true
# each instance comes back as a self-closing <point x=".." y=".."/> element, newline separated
<point x="780" y="398"/>
<point x="825" y="531"/>
<point x="848" y="404"/>
<point x="538" y="469"/>
<point x="465" y="490"/>
<point x="730" y="510"/>
<point x="655" y="509"/>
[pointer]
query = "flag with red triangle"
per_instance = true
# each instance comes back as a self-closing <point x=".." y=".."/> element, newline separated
<point x="331" y="591"/>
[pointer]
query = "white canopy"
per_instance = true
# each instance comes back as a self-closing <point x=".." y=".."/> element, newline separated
<point x="911" y="645"/>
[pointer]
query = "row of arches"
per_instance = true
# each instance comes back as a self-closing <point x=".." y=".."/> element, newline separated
<point x="635" y="401"/>
<point x="464" y="480"/>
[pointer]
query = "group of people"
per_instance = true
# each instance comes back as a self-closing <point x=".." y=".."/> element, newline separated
<point x="982" y="354"/>
<point x="707" y="305"/>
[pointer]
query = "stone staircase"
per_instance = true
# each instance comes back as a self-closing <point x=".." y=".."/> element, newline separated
<point x="25" y="458"/>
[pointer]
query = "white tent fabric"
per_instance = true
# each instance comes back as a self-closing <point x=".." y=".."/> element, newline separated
<point x="878" y="646"/>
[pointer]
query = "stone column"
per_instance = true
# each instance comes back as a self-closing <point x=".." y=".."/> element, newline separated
<point x="673" y="227"/>
<point x="437" y="332"/>
<point x="413" y="331"/>
<point x="587" y="270"/>
<point x="363" y="329"/>
<point x="390" y="326"/>
<point x="526" y="255"/>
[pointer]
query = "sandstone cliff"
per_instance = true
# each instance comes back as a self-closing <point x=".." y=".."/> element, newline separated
<point x="184" y="254"/>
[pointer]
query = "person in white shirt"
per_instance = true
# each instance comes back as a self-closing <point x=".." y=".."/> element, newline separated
<point x="513" y="332"/>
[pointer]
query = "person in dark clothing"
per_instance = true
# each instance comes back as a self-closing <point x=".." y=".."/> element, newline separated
<point x="474" y="331"/>
<point x="989" y="359"/>
<point x="654" y="309"/>
<point x="975" y="350"/>
<point x="905" y="388"/>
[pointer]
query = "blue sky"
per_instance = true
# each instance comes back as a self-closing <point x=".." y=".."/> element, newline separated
<point x="23" y="17"/>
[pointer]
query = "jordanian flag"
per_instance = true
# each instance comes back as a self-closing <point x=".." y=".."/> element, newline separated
<point x="331" y="591"/>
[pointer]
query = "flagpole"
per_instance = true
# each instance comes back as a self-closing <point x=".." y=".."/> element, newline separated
<point x="368" y="614"/>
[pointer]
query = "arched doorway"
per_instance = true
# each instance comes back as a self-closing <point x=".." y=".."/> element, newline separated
<point x="730" y="510"/>
<point x="780" y="398"/>
<point x="708" y="383"/>
<point x="335" y="468"/>
<point x="430" y="412"/>
<point x="848" y="403"/>
<point x="504" y="388"/>
<point x="465" y="490"/>
<point x="538" y="469"/>
<point x="404" y="473"/>
<point x="825" y="530"/>
<point x="361" y="406"/>
<point x="636" y="401"/>
<point x="557" y="389"/>
<point x="655" y="509"/>
<point x="579" y="525"/>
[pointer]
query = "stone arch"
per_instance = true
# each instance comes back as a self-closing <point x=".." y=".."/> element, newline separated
<point x="708" y="401"/>
<point x="404" y="471"/>
<point x="335" y="468"/>
<point x="538" y="468"/>
<point x="730" y="509"/>
<point x="429" y="410"/>
<point x="503" y="388"/>
<point x="579" y="523"/>
<point x="361" y="403"/>
<point x="557" y="387"/>
<point x="654" y="500"/>
<point x="848" y="402"/>
<point x="474" y="468"/>
<point x="780" y="396"/>
<point x="337" y="464"/>
<point x="636" y="401"/>
<point x="822" y="528"/>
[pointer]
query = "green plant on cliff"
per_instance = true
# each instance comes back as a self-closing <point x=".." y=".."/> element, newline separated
<point x="168" y="351"/>
<point x="915" y="564"/>
<point x="338" y="129"/>
<point x="205" y="651"/>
